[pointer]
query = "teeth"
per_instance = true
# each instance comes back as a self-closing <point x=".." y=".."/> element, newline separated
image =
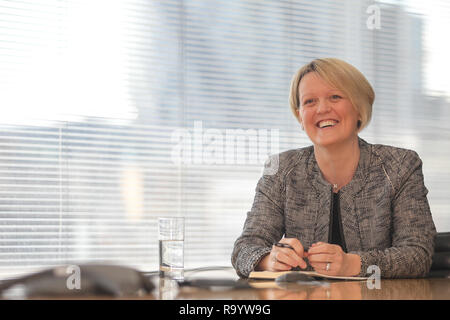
<point x="327" y="123"/>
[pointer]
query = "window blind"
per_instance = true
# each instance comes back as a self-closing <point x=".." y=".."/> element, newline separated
<point x="117" y="112"/>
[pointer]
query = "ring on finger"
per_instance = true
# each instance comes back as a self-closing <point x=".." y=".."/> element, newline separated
<point x="327" y="267"/>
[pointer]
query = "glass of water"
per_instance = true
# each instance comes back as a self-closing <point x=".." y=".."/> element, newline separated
<point x="171" y="247"/>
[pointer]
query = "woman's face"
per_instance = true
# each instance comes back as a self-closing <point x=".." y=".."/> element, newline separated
<point x="327" y="115"/>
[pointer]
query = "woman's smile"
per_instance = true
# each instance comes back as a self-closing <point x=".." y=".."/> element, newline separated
<point x="326" y="124"/>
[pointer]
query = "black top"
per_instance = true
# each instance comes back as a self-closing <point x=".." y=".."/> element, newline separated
<point x="336" y="235"/>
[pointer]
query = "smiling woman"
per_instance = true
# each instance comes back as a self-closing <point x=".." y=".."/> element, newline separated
<point x="332" y="100"/>
<point x="342" y="204"/>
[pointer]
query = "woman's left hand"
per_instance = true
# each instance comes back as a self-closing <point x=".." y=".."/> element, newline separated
<point x="330" y="259"/>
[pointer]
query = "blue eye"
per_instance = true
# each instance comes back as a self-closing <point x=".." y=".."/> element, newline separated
<point x="308" y="101"/>
<point x="336" y="97"/>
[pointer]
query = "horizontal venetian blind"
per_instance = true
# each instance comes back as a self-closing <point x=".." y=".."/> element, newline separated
<point x="117" y="112"/>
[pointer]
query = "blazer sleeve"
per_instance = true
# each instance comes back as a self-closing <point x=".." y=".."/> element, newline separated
<point x="413" y="229"/>
<point x="263" y="226"/>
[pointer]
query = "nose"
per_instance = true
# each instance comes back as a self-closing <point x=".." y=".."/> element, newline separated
<point x="323" y="106"/>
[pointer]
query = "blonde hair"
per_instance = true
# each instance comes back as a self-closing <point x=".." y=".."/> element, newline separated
<point x="344" y="77"/>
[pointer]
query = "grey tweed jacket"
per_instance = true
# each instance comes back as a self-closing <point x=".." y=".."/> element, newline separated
<point x="386" y="218"/>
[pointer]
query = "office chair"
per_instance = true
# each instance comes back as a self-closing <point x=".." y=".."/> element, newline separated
<point x="440" y="267"/>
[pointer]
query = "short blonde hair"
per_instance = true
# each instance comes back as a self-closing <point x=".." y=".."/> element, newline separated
<point x="344" y="77"/>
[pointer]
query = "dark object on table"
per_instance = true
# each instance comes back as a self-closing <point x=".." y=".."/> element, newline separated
<point x="215" y="284"/>
<point x="78" y="281"/>
<point x="295" y="277"/>
<point x="440" y="267"/>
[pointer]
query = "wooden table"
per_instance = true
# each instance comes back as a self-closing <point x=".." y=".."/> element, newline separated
<point x="391" y="289"/>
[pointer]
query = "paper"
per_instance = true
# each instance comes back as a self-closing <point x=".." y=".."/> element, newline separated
<point x="266" y="275"/>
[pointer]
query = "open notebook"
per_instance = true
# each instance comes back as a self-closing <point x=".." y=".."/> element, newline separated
<point x="269" y="275"/>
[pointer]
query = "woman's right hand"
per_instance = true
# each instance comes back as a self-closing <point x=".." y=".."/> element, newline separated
<point x="284" y="259"/>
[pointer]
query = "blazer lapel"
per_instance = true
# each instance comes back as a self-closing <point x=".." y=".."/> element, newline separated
<point x="323" y="192"/>
<point x="348" y="194"/>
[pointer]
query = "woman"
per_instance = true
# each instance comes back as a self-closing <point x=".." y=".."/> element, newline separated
<point x="342" y="204"/>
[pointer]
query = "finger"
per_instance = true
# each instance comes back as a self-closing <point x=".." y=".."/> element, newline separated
<point x="292" y="254"/>
<point x="280" y="266"/>
<point x="298" y="248"/>
<point x="296" y="244"/>
<point x="323" y="248"/>
<point x="287" y="256"/>
<point x="317" y="243"/>
<point x="277" y="265"/>
<point x="321" y="257"/>
<point x="321" y="267"/>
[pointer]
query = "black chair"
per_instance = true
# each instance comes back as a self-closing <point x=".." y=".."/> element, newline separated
<point x="440" y="268"/>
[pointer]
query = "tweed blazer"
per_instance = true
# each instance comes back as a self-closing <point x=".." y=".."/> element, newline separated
<point x="385" y="214"/>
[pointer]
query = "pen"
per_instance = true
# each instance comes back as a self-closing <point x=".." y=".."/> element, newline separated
<point x="283" y="245"/>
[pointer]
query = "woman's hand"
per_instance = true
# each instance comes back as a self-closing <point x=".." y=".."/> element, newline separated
<point x="321" y="255"/>
<point x="283" y="259"/>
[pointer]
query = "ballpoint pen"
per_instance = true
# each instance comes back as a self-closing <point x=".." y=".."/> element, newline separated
<point x="284" y="245"/>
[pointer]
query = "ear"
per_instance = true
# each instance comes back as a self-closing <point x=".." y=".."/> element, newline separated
<point x="359" y="121"/>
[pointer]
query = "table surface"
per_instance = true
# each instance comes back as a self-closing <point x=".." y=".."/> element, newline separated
<point x="390" y="289"/>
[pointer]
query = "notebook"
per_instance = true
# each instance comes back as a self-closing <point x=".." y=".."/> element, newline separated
<point x="269" y="275"/>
